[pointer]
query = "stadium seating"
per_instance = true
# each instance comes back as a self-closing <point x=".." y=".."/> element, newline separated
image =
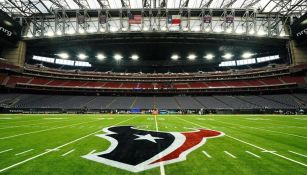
<point x="37" y="101"/>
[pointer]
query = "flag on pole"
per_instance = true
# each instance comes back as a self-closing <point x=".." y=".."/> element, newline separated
<point x="134" y="19"/>
<point x="174" y="19"/>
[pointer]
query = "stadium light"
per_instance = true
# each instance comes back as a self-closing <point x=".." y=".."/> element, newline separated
<point x="145" y="29"/>
<point x="134" y="57"/>
<point x="82" y="56"/>
<point x="209" y="56"/>
<point x="102" y="30"/>
<point x="71" y="32"/>
<point x="163" y="28"/>
<point x="81" y="31"/>
<point x="59" y="33"/>
<point x="239" y="31"/>
<point x="100" y="56"/>
<point x="50" y="33"/>
<point x="185" y="29"/>
<point x="207" y="29"/>
<point x="261" y="33"/>
<point x="192" y="57"/>
<point x="251" y="32"/>
<point x="227" y="56"/>
<point x="229" y="30"/>
<point x="175" y="57"/>
<point x="63" y="55"/>
<point x="117" y="57"/>
<point x="247" y="55"/>
<point x="124" y="29"/>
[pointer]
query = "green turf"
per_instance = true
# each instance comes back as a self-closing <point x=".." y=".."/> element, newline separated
<point x="253" y="133"/>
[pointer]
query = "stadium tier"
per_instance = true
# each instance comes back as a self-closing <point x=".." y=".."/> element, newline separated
<point x="77" y="103"/>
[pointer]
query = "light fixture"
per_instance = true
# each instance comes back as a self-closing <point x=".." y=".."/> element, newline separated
<point x="175" y="57"/>
<point x="207" y="29"/>
<point x="63" y="55"/>
<point x="261" y="33"/>
<point x="124" y="29"/>
<point x="229" y="30"/>
<point x="239" y="31"/>
<point x="81" y="31"/>
<point x="163" y="28"/>
<point x="192" y="57"/>
<point x="71" y="32"/>
<point x="227" y="56"/>
<point x="102" y="30"/>
<point x="145" y="28"/>
<point x="134" y="57"/>
<point x="50" y="33"/>
<point x="59" y="33"/>
<point x="82" y="56"/>
<point x="117" y="57"/>
<point x="185" y="29"/>
<point x="251" y="32"/>
<point x="209" y="56"/>
<point x="100" y="56"/>
<point x="247" y="55"/>
<point x="113" y="29"/>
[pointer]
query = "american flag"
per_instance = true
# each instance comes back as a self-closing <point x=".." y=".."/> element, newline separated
<point x="135" y="19"/>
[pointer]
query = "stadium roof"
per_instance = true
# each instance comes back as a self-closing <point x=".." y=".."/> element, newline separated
<point x="30" y="7"/>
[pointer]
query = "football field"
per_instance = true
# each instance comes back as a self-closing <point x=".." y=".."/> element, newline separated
<point x="153" y="145"/>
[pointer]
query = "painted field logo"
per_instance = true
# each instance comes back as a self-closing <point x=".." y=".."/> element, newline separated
<point x="137" y="150"/>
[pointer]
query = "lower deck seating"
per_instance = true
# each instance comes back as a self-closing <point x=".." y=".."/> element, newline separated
<point x="42" y="101"/>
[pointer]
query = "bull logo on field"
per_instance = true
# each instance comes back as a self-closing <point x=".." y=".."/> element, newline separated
<point x="138" y="150"/>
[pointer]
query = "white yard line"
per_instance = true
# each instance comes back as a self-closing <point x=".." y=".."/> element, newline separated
<point x="265" y="130"/>
<point x="247" y="143"/>
<point x="162" y="170"/>
<point x="229" y="154"/>
<point x="92" y="151"/>
<point x="298" y="153"/>
<point x="33" y="132"/>
<point x="68" y="152"/>
<point x="5" y="151"/>
<point x="61" y="146"/>
<point x="32" y="124"/>
<point x="208" y="155"/>
<point x="24" y="152"/>
<point x="253" y="154"/>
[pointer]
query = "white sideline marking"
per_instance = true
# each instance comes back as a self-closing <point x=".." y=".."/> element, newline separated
<point x="68" y="152"/>
<point x="24" y="152"/>
<point x="268" y="151"/>
<point x="5" y="151"/>
<point x="262" y="149"/>
<point x="253" y="154"/>
<point x="61" y="146"/>
<point x="207" y="154"/>
<point x="12" y="136"/>
<point x="92" y="151"/>
<point x="231" y="155"/>
<point x="298" y="153"/>
<point x="162" y="171"/>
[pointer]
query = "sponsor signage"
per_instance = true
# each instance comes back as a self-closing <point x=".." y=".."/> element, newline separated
<point x="9" y="29"/>
<point x="299" y="29"/>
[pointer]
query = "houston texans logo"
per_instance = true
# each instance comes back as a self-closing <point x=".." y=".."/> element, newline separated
<point x="137" y="150"/>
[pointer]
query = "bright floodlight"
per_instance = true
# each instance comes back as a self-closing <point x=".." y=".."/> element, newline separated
<point x="59" y="33"/>
<point x="101" y="57"/>
<point x="145" y="29"/>
<point x="228" y="56"/>
<point x="251" y="32"/>
<point x="63" y="55"/>
<point x="247" y="55"/>
<point x="229" y="30"/>
<point x="192" y="57"/>
<point x="261" y="33"/>
<point x="207" y="29"/>
<point x="117" y="57"/>
<point x="82" y="56"/>
<point x="134" y="57"/>
<point x="50" y="33"/>
<point x="175" y="57"/>
<point x="209" y="56"/>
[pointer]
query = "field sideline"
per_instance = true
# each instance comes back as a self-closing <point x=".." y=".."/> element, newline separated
<point x="251" y="144"/>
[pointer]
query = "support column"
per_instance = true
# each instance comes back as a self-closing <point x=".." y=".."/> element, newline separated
<point x="17" y="55"/>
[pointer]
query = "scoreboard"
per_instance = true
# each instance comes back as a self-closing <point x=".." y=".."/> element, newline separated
<point x="10" y="31"/>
